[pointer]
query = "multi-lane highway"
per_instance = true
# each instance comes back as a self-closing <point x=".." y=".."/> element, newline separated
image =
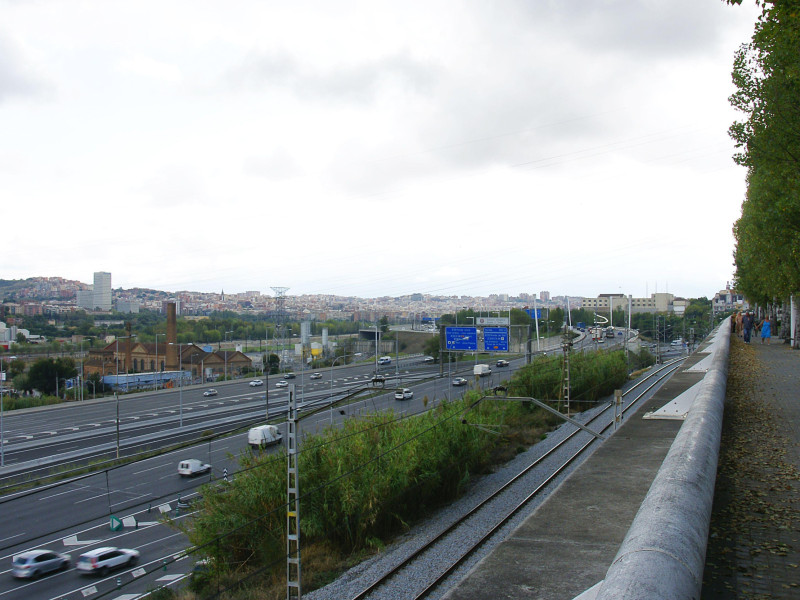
<point x="76" y="515"/>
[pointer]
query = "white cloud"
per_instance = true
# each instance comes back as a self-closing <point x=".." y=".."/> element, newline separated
<point x="372" y="147"/>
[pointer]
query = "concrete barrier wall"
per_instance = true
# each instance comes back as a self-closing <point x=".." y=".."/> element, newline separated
<point x="663" y="554"/>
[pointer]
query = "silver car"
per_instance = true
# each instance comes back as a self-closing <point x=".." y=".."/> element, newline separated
<point x="102" y="560"/>
<point x="35" y="563"/>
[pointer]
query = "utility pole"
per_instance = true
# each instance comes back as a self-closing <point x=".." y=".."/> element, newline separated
<point x="293" y="590"/>
<point x="566" y="346"/>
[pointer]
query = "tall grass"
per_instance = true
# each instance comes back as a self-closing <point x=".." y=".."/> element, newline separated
<point x="17" y="403"/>
<point x="359" y="484"/>
<point x="593" y="375"/>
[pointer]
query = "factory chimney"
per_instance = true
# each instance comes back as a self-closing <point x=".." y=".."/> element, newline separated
<point x="172" y="338"/>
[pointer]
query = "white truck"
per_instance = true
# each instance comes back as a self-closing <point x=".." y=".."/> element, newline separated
<point x="481" y="371"/>
<point x="263" y="436"/>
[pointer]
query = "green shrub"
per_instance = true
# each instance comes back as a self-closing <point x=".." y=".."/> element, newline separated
<point x="359" y="483"/>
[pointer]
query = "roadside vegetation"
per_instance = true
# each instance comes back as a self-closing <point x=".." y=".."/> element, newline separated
<point x="367" y="481"/>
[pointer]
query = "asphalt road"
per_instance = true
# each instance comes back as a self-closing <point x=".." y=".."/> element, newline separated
<point x="76" y="516"/>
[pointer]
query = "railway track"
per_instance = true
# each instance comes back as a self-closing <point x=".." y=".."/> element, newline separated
<point x="424" y="570"/>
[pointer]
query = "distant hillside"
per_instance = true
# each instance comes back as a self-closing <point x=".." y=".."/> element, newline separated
<point x="11" y="287"/>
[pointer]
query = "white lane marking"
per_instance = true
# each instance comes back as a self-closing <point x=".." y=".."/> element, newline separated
<point x="150" y="469"/>
<point x="139" y="572"/>
<point x="127" y="597"/>
<point x="129" y="521"/>
<point x="73" y="541"/>
<point x="11" y="537"/>
<point x="91" y="498"/>
<point x="90" y="591"/>
<point x="80" y="489"/>
<point x="172" y="577"/>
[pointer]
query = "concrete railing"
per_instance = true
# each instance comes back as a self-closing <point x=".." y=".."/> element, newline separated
<point x="663" y="554"/>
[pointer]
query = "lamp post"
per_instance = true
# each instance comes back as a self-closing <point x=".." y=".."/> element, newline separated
<point x="476" y="337"/>
<point x="226" y="354"/>
<point x="180" y="385"/>
<point x="116" y="383"/>
<point x="94" y="388"/>
<point x="2" y="441"/>
<point x="81" y="378"/>
<point x="331" y="398"/>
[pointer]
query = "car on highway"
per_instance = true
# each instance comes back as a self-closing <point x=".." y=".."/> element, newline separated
<point x="256" y="383"/>
<point x="35" y="563"/>
<point x="102" y="560"/>
<point x="459" y="381"/>
<point x="315" y="376"/>
<point x="378" y="379"/>
<point x="403" y="394"/>
<point x="289" y="376"/>
<point x="502" y="363"/>
<point x="429" y="359"/>
<point x="192" y="467"/>
<point x="282" y="384"/>
<point x="211" y="392"/>
<point x="385" y="360"/>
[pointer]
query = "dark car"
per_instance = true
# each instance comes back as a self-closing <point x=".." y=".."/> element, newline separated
<point x="289" y="376"/>
<point x="459" y="381"/>
<point x="502" y="363"/>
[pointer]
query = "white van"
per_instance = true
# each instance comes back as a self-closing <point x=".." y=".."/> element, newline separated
<point x="264" y="435"/>
<point x="385" y="360"/>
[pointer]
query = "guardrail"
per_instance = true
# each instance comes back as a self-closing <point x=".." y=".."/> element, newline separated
<point x="663" y="554"/>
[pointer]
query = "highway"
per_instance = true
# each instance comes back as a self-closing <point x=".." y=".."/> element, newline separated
<point x="75" y="516"/>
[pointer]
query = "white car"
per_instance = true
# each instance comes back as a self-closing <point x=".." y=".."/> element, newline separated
<point x="102" y="560"/>
<point x="211" y="392"/>
<point x="34" y="563"/>
<point x="403" y="394"/>
<point x="315" y="376"/>
<point x="459" y="381"/>
<point x="191" y="467"/>
<point x="282" y="384"/>
<point x="256" y="383"/>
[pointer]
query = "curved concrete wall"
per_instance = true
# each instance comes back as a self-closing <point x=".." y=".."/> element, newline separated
<point x="663" y="554"/>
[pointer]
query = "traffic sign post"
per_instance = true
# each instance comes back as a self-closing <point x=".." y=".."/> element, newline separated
<point x="495" y="339"/>
<point x="461" y="338"/>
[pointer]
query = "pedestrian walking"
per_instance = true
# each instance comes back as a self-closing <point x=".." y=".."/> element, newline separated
<point x="738" y="322"/>
<point x="766" y="330"/>
<point x="747" y="326"/>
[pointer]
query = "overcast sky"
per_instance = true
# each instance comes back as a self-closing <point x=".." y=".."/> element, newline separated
<point x="371" y="148"/>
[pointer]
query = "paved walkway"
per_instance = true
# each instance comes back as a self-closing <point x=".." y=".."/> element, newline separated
<point x="566" y="546"/>
<point x="754" y="548"/>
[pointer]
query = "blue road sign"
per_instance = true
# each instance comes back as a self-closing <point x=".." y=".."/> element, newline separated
<point x="495" y="339"/>
<point x="461" y="338"/>
<point x="532" y="315"/>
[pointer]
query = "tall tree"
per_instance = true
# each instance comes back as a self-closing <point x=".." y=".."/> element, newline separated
<point x="766" y="73"/>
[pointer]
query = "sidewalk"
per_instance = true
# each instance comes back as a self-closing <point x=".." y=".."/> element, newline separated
<point x="754" y="545"/>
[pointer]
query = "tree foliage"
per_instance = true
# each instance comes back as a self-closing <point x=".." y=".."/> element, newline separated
<point x="766" y="73"/>
<point x="45" y="372"/>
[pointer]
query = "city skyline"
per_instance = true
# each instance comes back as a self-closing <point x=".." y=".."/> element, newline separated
<point x="373" y="149"/>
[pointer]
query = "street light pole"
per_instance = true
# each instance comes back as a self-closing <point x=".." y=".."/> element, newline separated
<point x="116" y="383"/>
<point x="331" y="398"/>
<point x="2" y="441"/>
<point x="226" y="354"/>
<point x="180" y="385"/>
